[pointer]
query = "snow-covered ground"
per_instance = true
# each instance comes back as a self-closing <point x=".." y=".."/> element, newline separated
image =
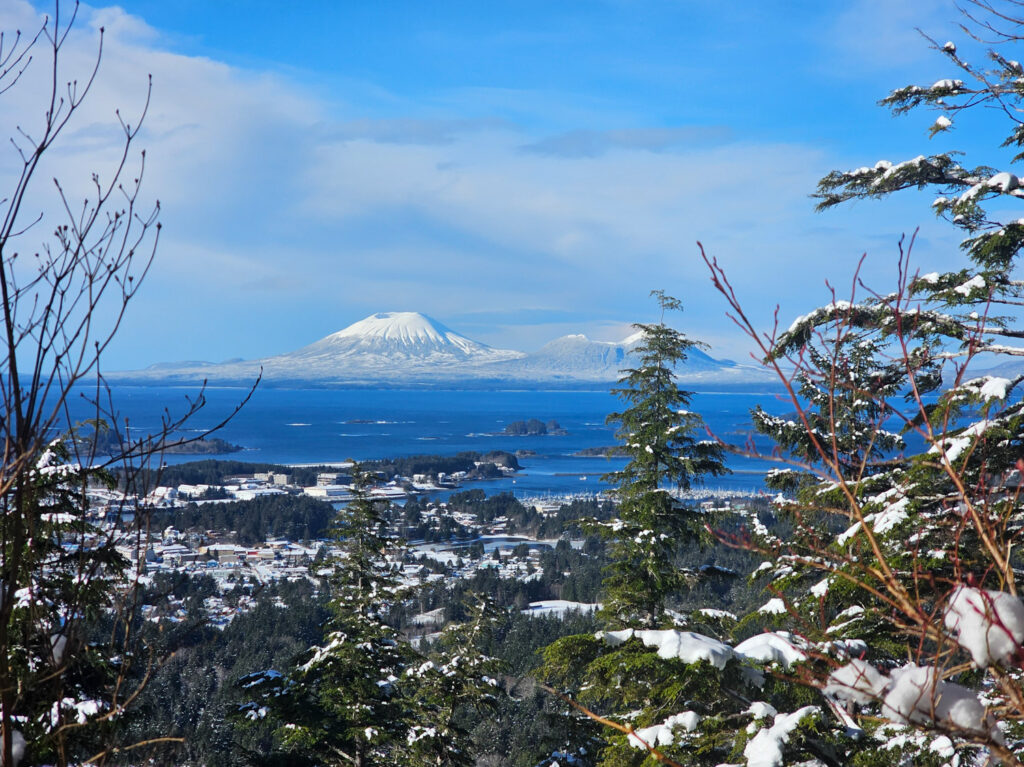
<point x="559" y="607"/>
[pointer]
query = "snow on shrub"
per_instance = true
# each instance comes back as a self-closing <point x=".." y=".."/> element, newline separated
<point x="765" y="748"/>
<point x="857" y="681"/>
<point x="918" y="696"/>
<point x="662" y="734"/>
<point x="988" y="624"/>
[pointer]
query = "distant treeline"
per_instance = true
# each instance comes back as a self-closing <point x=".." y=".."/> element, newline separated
<point x="204" y="446"/>
<point x="109" y="442"/>
<point x="407" y="466"/>
<point x="614" y="451"/>
<point x="300" y="517"/>
<point x="522" y="520"/>
<point x="295" y="517"/>
<point x="215" y="472"/>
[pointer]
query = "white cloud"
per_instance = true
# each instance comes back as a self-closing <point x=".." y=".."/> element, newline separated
<point x="590" y="143"/>
<point x="288" y="207"/>
<point x="588" y="213"/>
<point x="883" y="34"/>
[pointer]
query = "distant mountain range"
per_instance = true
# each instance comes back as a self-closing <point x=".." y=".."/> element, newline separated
<point x="408" y="348"/>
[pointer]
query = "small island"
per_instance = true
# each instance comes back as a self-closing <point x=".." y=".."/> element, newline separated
<point x="615" y="451"/>
<point x="108" y="442"/>
<point x="534" y="427"/>
<point x="204" y="446"/>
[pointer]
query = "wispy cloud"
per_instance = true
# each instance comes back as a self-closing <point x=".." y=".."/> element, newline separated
<point x="288" y="213"/>
<point x="872" y="35"/>
<point x="590" y="143"/>
<point x="414" y="131"/>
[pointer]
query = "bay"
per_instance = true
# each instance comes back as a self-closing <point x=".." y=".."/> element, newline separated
<point x="313" y="426"/>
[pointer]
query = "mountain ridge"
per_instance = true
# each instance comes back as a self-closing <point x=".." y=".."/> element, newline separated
<point x="392" y="348"/>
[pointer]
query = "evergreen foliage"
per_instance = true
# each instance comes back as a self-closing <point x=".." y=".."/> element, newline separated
<point x="56" y="590"/>
<point x="295" y="517"/>
<point x="894" y="632"/>
<point x="216" y="471"/>
<point x="363" y="695"/>
<point x="482" y="465"/>
<point x="658" y="435"/>
<point x="211" y="471"/>
<point x="340" y="703"/>
<point x="897" y="580"/>
<point x="918" y="562"/>
<point x="455" y="682"/>
<point x="618" y="671"/>
<point x="846" y="394"/>
<point x="192" y="694"/>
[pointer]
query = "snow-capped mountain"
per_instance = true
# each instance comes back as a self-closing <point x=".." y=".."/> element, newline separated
<point x="391" y="337"/>
<point x="570" y="357"/>
<point x="410" y="348"/>
<point x="578" y="358"/>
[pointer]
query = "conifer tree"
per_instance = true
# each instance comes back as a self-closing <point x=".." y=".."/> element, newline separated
<point x="340" y="703"/>
<point x="66" y="580"/>
<point x="847" y="393"/>
<point x="910" y="556"/>
<point x="454" y="680"/>
<point x="365" y="696"/>
<point x="658" y="434"/>
<point x="644" y="670"/>
<point x="894" y="628"/>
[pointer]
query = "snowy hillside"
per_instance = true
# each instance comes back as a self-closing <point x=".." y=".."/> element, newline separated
<point x="393" y="337"/>
<point x="578" y="358"/>
<point x="572" y="357"/>
<point x="400" y="335"/>
<point x="408" y="347"/>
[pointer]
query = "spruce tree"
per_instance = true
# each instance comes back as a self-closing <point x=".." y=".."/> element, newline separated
<point x="659" y="436"/>
<point x="644" y="668"/>
<point x="340" y="703"/>
<point x="846" y="416"/>
<point x="910" y="556"/>
<point x="893" y="633"/>
<point x="365" y="696"/>
<point x="64" y="582"/>
<point x="453" y="682"/>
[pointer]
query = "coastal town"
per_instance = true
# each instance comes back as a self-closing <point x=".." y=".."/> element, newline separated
<point x="215" y="553"/>
<point x="448" y="541"/>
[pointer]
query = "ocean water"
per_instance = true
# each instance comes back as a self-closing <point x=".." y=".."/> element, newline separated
<point x="293" y="426"/>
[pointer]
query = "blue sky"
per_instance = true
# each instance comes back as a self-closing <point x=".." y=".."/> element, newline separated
<point x="517" y="170"/>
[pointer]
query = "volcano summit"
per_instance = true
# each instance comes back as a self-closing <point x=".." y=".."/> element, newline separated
<point x="408" y="348"/>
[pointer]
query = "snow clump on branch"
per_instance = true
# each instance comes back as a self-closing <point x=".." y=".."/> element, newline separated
<point x="987" y="624"/>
